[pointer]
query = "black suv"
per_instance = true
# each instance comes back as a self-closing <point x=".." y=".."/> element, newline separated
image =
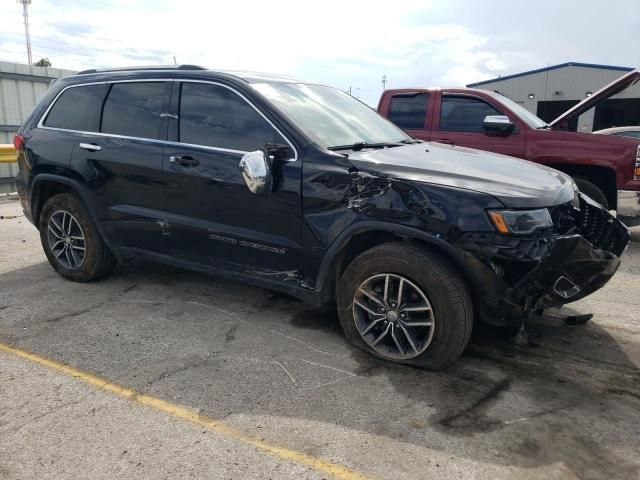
<point x="301" y="188"/>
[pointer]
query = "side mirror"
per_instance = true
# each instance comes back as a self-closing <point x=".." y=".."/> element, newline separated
<point x="255" y="168"/>
<point x="498" y="123"/>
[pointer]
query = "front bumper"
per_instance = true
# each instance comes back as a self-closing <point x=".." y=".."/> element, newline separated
<point x="514" y="275"/>
<point x="571" y="270"/>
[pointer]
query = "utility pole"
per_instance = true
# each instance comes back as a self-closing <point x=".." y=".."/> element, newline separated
<point x="384" y="82"/>
<point x="25" y="13"/>
<point x="349" y="89"/>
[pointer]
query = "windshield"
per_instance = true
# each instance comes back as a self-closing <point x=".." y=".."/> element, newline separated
<point x="330" y="116"/>
<point x="524" y="114"/>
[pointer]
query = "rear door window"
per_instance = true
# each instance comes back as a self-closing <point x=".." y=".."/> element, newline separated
<point x="408" y="110"/>
<point x="464" y="114"/>
<point x="215" y="116"/>
<point x="77" y="108"/>
<point x="134" y="109"/>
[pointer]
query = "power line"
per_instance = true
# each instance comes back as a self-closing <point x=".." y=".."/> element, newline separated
<point x="48" y="49"/>
<point x="62" y="42"/>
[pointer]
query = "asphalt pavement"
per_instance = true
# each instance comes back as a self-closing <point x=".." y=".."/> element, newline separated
<point x="157" y="372"/>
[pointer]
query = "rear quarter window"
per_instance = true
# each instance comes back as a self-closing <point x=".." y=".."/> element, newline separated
<point x="77" y="108"/>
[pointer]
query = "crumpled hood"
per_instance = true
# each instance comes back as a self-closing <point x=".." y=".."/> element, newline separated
<point x="516" y="183"/>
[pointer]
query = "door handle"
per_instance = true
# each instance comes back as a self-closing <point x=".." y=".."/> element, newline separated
<point x="185" y="161"/>
<point x="92" y="147"/>
<point x="446" y="141"/>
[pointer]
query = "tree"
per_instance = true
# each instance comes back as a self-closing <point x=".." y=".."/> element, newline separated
<point x="43" y="62"/>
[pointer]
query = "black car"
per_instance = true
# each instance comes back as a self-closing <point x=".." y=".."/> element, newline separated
<point x="300" y="188"/>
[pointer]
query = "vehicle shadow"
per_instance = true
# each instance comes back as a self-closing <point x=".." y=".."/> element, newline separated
<point x="571" y="398"/>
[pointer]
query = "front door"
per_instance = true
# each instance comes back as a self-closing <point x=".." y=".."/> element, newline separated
<point x="459" y="122"/>
<point x="213" y="217"/>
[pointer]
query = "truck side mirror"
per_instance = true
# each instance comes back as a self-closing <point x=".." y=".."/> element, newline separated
<point x="498" y="123"/>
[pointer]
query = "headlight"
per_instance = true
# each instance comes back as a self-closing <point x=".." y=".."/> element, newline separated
<point x="520" y="222"/>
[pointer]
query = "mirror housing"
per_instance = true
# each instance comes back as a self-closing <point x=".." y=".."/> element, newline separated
<point x="279" y="151"/>
<point x="255" y="168"/>
<point x="498" y="123"/>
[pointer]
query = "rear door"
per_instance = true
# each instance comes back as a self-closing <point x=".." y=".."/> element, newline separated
<point x="214" y="218"/>
<point x="72" y="114"/>
<point x="410" y="111"/>
<point x="458" y="121"/>
<point x="121" y="162"/>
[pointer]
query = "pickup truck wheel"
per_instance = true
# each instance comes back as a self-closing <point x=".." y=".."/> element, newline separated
<point x="593" y="191"/>
<point x="405" y="304"/>
<point x="71" y="240"/>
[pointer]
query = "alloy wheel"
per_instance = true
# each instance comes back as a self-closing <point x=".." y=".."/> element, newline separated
<point x="66" y="240"/>
<point x="393" y="316"/>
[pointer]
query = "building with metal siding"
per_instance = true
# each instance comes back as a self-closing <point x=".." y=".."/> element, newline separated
<point x="550" y="91"/>
<point x="21" y="87"/>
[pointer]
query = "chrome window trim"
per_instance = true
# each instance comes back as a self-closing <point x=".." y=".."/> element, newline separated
<point x="40" y="123"/>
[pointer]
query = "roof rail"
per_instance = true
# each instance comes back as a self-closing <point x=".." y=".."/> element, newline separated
<point x="151" y="67"/>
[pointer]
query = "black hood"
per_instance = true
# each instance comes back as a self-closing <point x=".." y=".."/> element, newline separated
<point x="516" y="183"/>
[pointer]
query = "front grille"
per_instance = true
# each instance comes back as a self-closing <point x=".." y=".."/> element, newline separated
<point x="593" y="222"/>
<point x="603" y="231"/>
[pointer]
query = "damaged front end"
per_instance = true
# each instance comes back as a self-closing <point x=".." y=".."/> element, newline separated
<point x="565" y="263"/>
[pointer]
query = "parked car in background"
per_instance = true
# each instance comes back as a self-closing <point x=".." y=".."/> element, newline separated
<point x="607" y="168"/>
<point x="302" y="188"/>
<point x="633" y="132"/>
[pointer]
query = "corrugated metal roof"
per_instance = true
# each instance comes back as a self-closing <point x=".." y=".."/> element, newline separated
<point x="552" y="67"/>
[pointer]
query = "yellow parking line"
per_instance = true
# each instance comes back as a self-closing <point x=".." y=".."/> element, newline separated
<point x="329" y="468"/>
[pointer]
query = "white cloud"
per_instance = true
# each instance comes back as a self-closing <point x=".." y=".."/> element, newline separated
<point x="342" y="43"/>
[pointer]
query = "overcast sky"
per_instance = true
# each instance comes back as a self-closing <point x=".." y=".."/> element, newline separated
<point x="340" y="43"/>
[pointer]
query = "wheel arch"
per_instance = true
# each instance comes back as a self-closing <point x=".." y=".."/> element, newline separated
<point x="46" y="185"/>
<point x="365" y="235"/>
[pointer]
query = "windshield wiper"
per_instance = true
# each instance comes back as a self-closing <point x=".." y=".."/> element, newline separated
<point x="544" y="127"/>
<point x="360" y="145"/>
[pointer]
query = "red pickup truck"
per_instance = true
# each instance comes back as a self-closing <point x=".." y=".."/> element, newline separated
<point x="607" y="168"/>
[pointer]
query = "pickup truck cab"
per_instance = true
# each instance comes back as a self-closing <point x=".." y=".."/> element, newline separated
<point x="604" y="167"/>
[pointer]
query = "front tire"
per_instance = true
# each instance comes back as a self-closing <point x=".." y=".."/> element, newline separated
<point x="405" y="304"/>
<point x="72" y="243"/>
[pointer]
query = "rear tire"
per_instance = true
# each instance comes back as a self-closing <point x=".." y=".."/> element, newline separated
<point x="71" y="241"/>
<point x="429" y="282"/>
<point x="592" y="190"/>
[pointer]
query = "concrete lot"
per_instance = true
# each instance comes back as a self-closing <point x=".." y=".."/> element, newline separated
<point x="280" y="372"/>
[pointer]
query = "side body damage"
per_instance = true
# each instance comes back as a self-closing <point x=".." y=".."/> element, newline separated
<point x="510" y="276"/>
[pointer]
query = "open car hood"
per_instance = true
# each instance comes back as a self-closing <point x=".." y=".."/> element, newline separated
<point x="601" y="95"/>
